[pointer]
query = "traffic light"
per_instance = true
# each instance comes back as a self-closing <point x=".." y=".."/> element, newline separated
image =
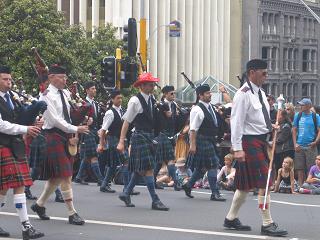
<point x="129" y="73"/>
<point x="109" y="72"/>
<point x="130" y="37"/>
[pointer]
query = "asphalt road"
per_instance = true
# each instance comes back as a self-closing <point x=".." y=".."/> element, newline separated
<point x="188" y="219"/>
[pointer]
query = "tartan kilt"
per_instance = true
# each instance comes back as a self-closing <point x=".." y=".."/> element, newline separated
<point x="38" y="151"/>
<point x="253" y="173"/>
<point x="58" y="162"/>
<point x="114" y="157"/>
<point x="142" y="152"/>
<point x="164" y="151"/>
<point x="14" y="172"/>
<point x="205" y="156"/>
<point x="88" y="146"/>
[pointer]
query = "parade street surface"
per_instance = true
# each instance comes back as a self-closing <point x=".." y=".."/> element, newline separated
<point x="188" y="219"/>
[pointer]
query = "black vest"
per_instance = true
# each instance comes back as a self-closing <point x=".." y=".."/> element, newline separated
<point x="145" y="121"/>
<point x="7" y="115"/>
<point x="168" y="125"/>
<point x="116" y="125"/>
<point x="207" y="127"/>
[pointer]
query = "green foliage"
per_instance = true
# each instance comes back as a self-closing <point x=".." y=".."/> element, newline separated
<point x="36" y="23"/>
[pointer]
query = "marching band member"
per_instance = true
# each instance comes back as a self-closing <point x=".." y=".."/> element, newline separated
<point x="58" y="165"/>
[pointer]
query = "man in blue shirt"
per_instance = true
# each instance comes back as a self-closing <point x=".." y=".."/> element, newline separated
<point x="306" y="136"/>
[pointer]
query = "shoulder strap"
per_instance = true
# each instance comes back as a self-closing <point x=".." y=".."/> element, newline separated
<point x="314" y="117"/>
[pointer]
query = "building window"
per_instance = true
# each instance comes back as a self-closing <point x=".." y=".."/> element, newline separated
<point x="305" y="90"/>
<point x="89" y="3"/>
<point x="309" y="60"/>
<point x="305" y="60"/>
<point x="314" y="60"/>
<point x="271" y="56"/>
<point x="102" y="3"/>
<point x="286" y="25"/>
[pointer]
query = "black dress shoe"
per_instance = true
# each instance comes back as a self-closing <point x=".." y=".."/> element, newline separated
<point x="75" y="219"/>
<point x="134" y="193"/>
<point x="217" y="197"/>
<point x="59" y="198"/>
<point x="176" y="188"/>
<point x="99" y="182"/>
<point x="80" y="181"/>
<point x="187" y="190"/>
<point x="31" y="233"/>
<point x="107" y="189"/>
<point x="236" y="225"/>
<point x="41" y="211"/>
<point x="3" y="233"/>
<point x="273" y="230"/>
<point x="126" y="199"/>
<point x="158" y="186"/>
<point x="158" y="205"/>
<point x="29" y="195"/>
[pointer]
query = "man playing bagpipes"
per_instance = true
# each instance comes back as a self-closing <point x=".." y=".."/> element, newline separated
<point x="14" y="169"/>
<point x="58" y="165"/>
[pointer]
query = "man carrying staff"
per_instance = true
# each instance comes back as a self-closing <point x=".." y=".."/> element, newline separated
<point x="58" y="165"/>
<point x="141" y="111"/>
<point x="250" y="129"/>
<point x="14" y="169"/>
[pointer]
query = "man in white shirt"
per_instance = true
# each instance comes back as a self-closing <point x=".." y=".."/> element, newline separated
<point x="88" y="144"/>
<point x="142" y="113"/>
<point x="14" y="169"/>
<point x="205" y="126"/>
<point x="58" y="166"/>
<point x="250" y="129"/>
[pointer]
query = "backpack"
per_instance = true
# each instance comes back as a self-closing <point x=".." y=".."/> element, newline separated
<point x="314" y="117"/>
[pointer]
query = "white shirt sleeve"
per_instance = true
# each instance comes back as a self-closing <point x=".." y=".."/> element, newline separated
<point x="237" y="122"/>
<point x="53" y="118"/>
<point x="107" y="120"/>
<point x="219" y="176"/>
<point x="196" y="118"/>
<point x="134" y="108"/>
<point x="12" y="128"/>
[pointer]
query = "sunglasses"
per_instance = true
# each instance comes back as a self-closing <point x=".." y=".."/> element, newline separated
<point x="172" y="93"/>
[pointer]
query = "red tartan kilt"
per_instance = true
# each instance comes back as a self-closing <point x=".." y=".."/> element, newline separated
<point x="253" y="173"/>
<point x="14" y="172"/>
<point x="58" y="162"/>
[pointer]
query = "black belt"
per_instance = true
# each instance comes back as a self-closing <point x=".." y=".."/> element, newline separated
<point x="263" y="137"/>
<point x="56" y="130"/>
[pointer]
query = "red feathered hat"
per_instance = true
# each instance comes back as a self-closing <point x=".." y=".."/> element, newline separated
<point x="145" y="78"/>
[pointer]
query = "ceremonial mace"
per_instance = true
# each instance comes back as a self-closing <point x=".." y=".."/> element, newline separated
<point x="280" y="101"/>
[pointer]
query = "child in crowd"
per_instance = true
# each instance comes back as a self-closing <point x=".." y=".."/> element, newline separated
<point x="182" y="174"/>
<point x="163" y="178"/>
<point x="312" y="184"/>
<point x="226" y="175"/>
<point x="285" y="182"/>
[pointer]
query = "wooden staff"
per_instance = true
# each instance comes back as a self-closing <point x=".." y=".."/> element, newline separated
<point x="280" y="101"/>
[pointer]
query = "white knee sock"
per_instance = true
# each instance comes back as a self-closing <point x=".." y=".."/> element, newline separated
<point x="238" y="199"/>
<point x="266" y="215"/>
<point x="68" y="199"/>
<point x="20" y="201"/>
<point x="47" y="191"/>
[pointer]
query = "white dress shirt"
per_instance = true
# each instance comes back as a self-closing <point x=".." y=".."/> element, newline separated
<point x="134" y="107"/>
<point x="246" y="115"/>
<point x="109" y="117"/>
<point x="197" y="116"/>
<point x="53" y="116"/>
<point x="11" y="128"/>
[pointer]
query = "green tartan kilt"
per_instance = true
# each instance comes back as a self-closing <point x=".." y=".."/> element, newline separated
<point x="164" y="151"/>
<point x="114" y="157"/>
<point x="205" y="156"/>
<point x="142" y="153"/>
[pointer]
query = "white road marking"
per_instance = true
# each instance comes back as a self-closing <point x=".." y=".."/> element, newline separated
<point x="150" y="227"/>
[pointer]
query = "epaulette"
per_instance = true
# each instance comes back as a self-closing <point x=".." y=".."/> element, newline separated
<point x="245" y="89"/>
<point x="45" y="92"/>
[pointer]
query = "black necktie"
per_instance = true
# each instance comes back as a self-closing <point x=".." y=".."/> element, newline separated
<point x="173" y="109"/>
<point x="8" y="100"/>
<point x="64" y="108"/>
<point x="213" y="116"/>
<point x="265" y="112"/>
<point x="150" y="106"/>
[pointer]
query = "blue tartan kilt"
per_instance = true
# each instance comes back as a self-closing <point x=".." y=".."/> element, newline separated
<point x="88" y="146"/>
<point x="114" y="157"/>
<point x="253" y="173"/>
<point x="164" y="151"/>
<point x="205" y="156"/>
<point x="142" y="152"/>
<point x="38" y="151"/>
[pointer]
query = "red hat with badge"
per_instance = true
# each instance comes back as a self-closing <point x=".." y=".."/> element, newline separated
<point x="145" y="78"/>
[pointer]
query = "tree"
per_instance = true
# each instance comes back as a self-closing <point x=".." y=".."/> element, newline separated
<point x="36" y="23"/>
